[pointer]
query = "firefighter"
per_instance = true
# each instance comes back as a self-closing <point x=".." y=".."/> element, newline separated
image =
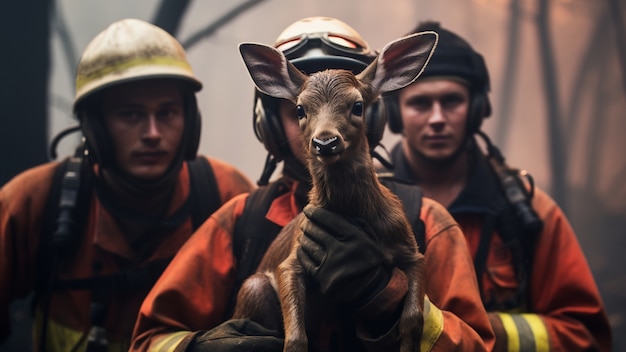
<point x="534" y="279"/>
<point x="127" y="200"/>
<point x="188" y="308"/>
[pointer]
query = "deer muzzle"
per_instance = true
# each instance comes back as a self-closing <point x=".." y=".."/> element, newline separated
<point x="327" y="147"/>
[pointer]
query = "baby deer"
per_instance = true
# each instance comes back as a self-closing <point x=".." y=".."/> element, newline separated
<point x="331" y="106"/>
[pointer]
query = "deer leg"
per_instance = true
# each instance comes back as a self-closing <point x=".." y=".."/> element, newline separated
<point x="292" y="291"/>
<point x="257" y="300"/>
<point x="412" y="316"/>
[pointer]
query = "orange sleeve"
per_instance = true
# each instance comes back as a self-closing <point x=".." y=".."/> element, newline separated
<point x="456" y="319"/>
<point x="180" y="303"/>
<point x="564" y="296"/>
<point x="22" y="203"/>
<point x="454" y="316"/>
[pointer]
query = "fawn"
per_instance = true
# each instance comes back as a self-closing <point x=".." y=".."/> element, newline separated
<point x="331" y="106"/>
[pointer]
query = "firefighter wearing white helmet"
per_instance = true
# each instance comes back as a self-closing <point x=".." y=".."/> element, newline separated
<point x="312" y="44"/>
<point x="90" y="235"/>
<point x="132" y="50"/>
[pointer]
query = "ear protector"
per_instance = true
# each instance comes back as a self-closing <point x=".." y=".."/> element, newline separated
<point x="392" y="107"/>
<point x="193" y="128"/>
<point x="267" y="125"/>
<point x="452" y="58"/>
<point x="375" y="120"/>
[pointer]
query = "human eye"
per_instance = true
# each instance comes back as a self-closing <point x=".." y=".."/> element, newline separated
<point x="451" y="101"/>
<point x="420" y="103"/>
<point x="170" y="112"/>
<point x="128" y="115"/>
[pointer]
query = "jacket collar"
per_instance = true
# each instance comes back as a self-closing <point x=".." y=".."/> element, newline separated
<point x="287" y="206"/>
<point x="481" y="193"/>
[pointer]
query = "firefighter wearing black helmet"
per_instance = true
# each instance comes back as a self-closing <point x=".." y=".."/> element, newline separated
<point x="189" y="314"/>
<point x="534" y="278"/>
<point x="91" y="234"/>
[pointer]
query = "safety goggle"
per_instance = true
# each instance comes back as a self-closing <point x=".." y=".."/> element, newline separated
<point x="327" y="43"/>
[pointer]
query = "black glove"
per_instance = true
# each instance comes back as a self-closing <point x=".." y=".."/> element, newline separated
<point x="237" y="335"/>
<point x="343" y="259"/>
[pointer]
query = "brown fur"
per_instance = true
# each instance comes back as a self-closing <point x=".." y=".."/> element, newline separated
<point x="344" y="181"/>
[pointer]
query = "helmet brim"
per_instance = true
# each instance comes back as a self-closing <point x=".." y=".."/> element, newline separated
<point x="137" y="74"/>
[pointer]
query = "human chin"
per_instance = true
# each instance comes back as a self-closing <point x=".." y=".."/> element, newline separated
<point x="148" y="171"/>
<point x="438" y="154"/>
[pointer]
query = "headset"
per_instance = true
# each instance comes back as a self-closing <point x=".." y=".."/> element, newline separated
<point x="453" y="57"/>
<point x="313" y="44"/>
<point x="99" y="143"/>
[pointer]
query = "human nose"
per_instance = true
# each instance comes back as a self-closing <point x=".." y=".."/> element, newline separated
<point x="437" y="115"/>
<point x="152" y="130"/>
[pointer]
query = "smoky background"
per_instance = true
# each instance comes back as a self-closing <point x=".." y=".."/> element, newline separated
<point x="558" y="91"/>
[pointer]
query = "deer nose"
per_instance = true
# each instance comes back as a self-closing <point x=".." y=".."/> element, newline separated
<point x="326" y="147"/>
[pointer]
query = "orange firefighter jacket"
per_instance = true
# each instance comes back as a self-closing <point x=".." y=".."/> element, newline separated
<point x="194" y="291"/>
<point x="562" y="308"/>
<point x="103" y="245"/>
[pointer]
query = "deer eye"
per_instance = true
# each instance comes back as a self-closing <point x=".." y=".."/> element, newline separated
<point x="357" y="108"/>
<point x="300" y="111"/>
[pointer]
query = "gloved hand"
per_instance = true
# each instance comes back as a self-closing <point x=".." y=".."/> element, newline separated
<point x="342" y="258"/>
<point x="237" y="335"/>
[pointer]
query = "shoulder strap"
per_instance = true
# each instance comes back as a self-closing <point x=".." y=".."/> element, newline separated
<point x="64" y="215"/>
<point x="518" y="225"/>
<point x="411" y="197"/>
<point x="204" y="191"/>
<point x="253" y="234"/>
<point x="48" y="226"/>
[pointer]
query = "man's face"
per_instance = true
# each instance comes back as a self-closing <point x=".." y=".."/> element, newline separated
<point x="145" y="120"/>
<point x="289" y="119"/>
<point x="434" y="117"/>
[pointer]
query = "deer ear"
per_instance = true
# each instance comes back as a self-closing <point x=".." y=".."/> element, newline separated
<point x="271" y="72"/>
<point x="400" y="62"/>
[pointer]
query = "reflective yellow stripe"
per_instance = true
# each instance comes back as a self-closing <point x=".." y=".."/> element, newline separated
<point x="169" y="342"/>
<point x="433" y="326"/>
<point x="82" y="80"/>
<point x="62" y="338"/>
<point x="542" y="342"/>
<point x="511" y="332"/>
<point x="525" y="332"/>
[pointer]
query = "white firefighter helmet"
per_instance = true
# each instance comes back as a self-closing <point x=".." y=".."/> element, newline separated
<point x="127" y="50"/>
<point x="316" y="43"/>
